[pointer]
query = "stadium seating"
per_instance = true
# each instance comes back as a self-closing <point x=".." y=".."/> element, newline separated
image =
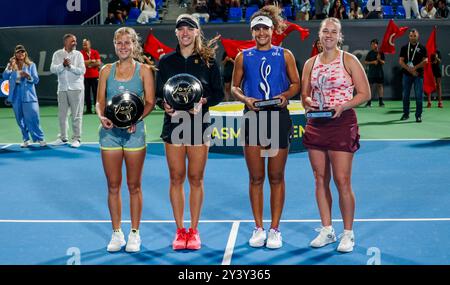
<point x="388" y="12"/>
<point x="249" y="12"/>
<point x="287" y="12"/>
<point x="133" y="15"/>
<point x="235" y="14"/>
<point x="400" y="13"/>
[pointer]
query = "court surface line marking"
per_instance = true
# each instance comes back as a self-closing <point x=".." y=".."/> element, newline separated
<point x="160" y="142"/>
<point x="6" y="146"/>
<point x="230" y="244"/>
<point x="232" y="221"/>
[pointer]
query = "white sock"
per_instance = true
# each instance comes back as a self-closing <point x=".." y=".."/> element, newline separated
<point x="350" y="232"/>
<point x="328" y="228"/>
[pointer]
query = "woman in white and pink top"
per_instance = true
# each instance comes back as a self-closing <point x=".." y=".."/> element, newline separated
<point x="331" y="142"/>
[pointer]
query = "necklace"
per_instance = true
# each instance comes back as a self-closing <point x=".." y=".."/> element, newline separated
<point x="125" y="73"/>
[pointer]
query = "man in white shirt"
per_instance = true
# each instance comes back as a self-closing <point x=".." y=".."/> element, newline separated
<point x="68" y="65"/>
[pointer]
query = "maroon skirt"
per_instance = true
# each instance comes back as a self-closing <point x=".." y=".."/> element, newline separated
<point x="340" y="134"/>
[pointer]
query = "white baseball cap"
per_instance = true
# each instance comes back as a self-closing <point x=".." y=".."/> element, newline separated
<point x="261" y="20"/>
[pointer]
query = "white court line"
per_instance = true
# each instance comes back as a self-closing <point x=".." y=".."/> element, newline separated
<point x="230" y="244"/>
<point x="50" y="143"/>
<point x="6" y="146"/>
<point x="440" y="139"/>
<point x="232" y="221"/>
<point x="160" y="142"/>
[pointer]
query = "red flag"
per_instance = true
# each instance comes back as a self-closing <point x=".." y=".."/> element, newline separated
<point x="154" y="47"/>
<point x="429" y="84"/>
<point x="314" y="50"/>
<point x="277" y="39"/>
<point x="392" y="32"/>
<point x="233" y="47"/>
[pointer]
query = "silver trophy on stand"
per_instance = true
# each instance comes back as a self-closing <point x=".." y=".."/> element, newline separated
<point x="321" y="113"/>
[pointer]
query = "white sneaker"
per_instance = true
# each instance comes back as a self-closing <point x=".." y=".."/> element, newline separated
<point x="117" y="241"/>
<point x="274" y="239"/>
<point x="59" y="141"/>
<point x="347" y="241"/>
<point x="258" y="237"/>
<point x="134" y="242"/>
<point x="76" y="144"/>
<point x="42" y="143"/>
<point x="25" y="144"/>
<point x="326" y="236"/>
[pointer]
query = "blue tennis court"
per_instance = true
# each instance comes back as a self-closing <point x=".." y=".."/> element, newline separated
<point x="54" y="209"/>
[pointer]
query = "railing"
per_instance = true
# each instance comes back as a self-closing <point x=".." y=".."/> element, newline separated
<point x="94" y="20"/>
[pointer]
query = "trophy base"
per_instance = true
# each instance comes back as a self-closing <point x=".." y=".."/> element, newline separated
<point x="267" y="103"/>
<point x="320" y="114"/>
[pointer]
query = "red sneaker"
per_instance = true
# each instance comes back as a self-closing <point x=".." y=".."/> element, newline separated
<point x="429" y="105"/>
<point x="440" y="105"/>
<point x="193" y="240"/>
<point x="180" y="239"/>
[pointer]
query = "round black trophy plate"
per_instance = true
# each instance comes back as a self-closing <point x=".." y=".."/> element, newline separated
<point x="124" y="109"/>
<point x="182" y="91"/>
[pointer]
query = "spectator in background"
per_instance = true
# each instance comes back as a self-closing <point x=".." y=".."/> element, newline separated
<point x="436" y="66"/>
<point x="413" y="58"/>
<point x="321" y="7"/>
<point x="201" y="10"/>
<point x="442" y="10"/>
<point x="355" y="11"/>
<point x="92" y="63"/>
<point x="375" y="74"/>
<point x="338" y="10"/>
<point x="285" y="3"/>
<point x="374" y="9"/>
<point x="249" y="3"/>
<point x="411" y="5"/>
<point x="116" y="12"/>
<point x="22" y="75"/>
<point x="148" y="11"/>
<point x="182" y="3"/>
<point x="68" y="65"/>
<point x="303" y="8"/>
<point x="234" y="3"/>
<point x="218" y="10"/>
<point x="428" y="11"/>
<point x="316" y="48"/>
<point x="228" y="66"/>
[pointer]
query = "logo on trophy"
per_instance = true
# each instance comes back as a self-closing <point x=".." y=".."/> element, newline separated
<point x="321" y="112"/>
<point x="124" y="109"/>
<point x="182" y="91"/>
<point x="267" y="102"/>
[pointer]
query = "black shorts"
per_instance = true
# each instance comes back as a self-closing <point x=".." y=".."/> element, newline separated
<point x="258" y="129"/>
<point x="190" y="132"/>
<point x="376" y="80"/>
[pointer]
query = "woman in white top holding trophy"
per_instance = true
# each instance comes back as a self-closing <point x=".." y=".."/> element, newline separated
<point x="331" y="134"/>
<point x="264" y="78"/>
